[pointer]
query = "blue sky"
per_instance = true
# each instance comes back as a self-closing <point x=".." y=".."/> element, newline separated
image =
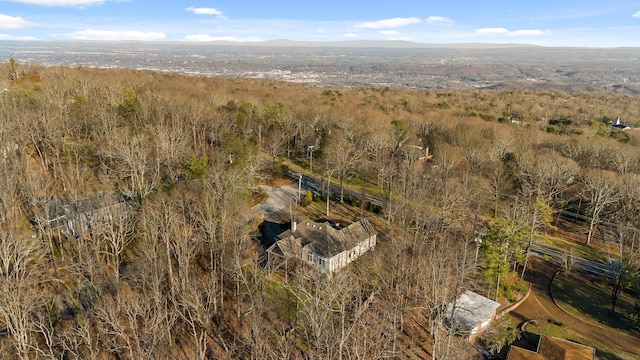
<point x="588" y="23"/>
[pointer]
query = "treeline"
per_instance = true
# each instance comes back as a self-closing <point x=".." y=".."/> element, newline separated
<point x="182" y="275"/>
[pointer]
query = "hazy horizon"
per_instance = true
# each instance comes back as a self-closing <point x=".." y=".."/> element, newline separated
<point x="571" y="23"/>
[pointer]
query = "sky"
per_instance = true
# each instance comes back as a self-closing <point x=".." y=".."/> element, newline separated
<point x="571" y="23"/>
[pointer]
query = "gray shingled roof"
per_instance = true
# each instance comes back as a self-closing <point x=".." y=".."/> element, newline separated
<point x="67" y="207"/>
<point x="288" y="247"/>
<point x="326" y="240"/>
<point x="472" y="309"/>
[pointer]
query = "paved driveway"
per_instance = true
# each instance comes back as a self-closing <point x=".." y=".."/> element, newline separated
<point x="277" y="206"/>
<point x="540" y="306"/>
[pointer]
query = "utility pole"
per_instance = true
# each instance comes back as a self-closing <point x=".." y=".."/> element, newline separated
<point x="329" y="191"/>
<point x="328" y="194"/>
<point x="478" y="241"/>
<point x="299" y="187"/>
<point x="310" y="150"/>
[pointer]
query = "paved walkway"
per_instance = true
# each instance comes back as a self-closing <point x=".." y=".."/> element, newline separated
<point x="540" y="306"/>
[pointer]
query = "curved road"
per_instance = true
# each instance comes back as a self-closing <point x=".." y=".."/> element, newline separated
<point x="540" y="306"/>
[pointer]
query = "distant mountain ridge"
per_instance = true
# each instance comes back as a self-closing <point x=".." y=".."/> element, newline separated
<point x="381" y="44"/>
<point x="403" y="44"/>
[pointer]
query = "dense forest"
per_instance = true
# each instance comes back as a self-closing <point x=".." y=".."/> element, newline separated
<point x="171" y="164"/>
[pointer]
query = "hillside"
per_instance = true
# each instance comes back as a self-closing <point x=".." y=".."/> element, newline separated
<point x="124" y="194"/>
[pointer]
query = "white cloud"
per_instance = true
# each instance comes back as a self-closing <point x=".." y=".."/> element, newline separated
<point x="91" y="34"/>
<point x="12" y="37"/>
<point x="351" y="35"/>
<point x="438" y="20"/>
<point x="60" y="2"/>
<point x="389" y="32"/>
<point x="636" y="15"/>
<point x="505" y="32"/>
<point x="206" y="38"/>
<point x="388" y="23"/>
<point x="204" y="11"/>
<point x="492" y="31"/>
<point x="12" y="22"/>
<point x="527" y="33"/>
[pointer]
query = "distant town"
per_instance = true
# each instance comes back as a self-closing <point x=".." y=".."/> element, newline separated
<point x="377" y="64"/>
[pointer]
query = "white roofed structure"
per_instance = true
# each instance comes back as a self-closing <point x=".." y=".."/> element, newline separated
<point x="472" y="310"/>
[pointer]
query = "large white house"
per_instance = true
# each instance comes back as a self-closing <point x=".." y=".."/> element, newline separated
<point x="327" y="247"/>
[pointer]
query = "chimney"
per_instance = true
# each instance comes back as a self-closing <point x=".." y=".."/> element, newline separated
<point x="294" y="226"/>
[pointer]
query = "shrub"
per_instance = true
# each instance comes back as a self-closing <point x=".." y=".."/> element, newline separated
<point x="443" y="105"/>
<point x="130" y="105"/>
<point x="279" y="170"/>
<point x="370" y="207"/>
<point x="501" y="332"/>
<point x="553" y="129"/>
<point x="197" y="167"/>
<point x="555" y="322"/>
<point x="486" y="117"/>
<point x="635" y="314"/>
<point x="620" y="135"/>
<point x="308" y="198"/>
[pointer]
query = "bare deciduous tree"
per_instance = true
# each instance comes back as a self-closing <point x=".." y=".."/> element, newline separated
<point x="342" y="156"/>
<point x="543" y="175"/>
<point x="20" y="280"/>
<point x="600" y="188"/>
<point x="130" y="157"/>
<point x="117" y="230"/>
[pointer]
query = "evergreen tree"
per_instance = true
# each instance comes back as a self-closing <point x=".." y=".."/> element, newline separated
<point x="503" y="248"/>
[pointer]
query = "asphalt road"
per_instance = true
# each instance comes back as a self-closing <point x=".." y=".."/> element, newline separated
<point x="602" y="269"/>
<point x="315" y="185"/>
<point x="577" y="263"/>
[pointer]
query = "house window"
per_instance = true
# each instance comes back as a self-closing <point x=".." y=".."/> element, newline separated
<point x="310" y="257"/>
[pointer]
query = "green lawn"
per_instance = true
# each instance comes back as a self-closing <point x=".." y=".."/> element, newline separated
<point x="589" y="299"/>
<point x="570" y="247"/>
<point x="280" y="299"/>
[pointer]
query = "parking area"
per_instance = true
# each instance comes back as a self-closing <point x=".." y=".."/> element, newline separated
<point x="277" y="207"/>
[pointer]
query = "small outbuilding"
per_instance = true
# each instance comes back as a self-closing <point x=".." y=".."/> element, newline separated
<point x="472" y="311"/>
<point x="76" y="216"/>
